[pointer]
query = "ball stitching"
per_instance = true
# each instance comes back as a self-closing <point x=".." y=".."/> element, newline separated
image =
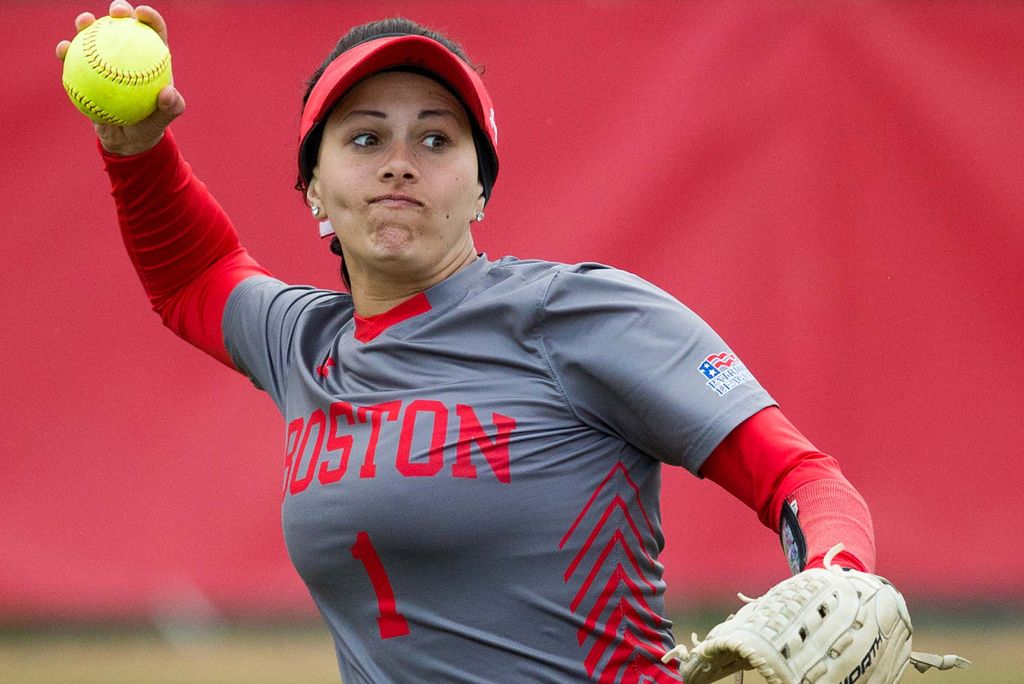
<point x="95" y="60"/>
<point x="93" y="107"/>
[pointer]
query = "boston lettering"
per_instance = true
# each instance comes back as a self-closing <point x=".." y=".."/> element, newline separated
<point x="323" y="446"/>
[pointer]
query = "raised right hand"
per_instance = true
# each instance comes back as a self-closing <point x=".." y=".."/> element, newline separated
<point x="137" y="138"/>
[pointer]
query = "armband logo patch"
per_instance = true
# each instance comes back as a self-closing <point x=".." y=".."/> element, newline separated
<point x="724" y="372"/>
<point x="792" y="537"/>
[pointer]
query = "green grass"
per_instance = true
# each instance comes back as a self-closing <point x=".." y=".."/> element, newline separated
<point x="237" y="654"/>
<point x="211" y="655"/>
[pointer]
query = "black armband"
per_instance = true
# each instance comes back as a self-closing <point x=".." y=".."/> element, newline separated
<point x="792" y="537"/>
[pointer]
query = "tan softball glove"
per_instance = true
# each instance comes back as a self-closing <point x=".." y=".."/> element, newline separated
<point x="822" y="626"/>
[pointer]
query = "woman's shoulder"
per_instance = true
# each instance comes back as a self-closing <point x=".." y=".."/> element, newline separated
<point x="545" y="270"/>
<point x="266" y="294"/>
<point x="567" y="278"/>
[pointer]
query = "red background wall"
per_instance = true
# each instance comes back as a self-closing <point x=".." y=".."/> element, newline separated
<point x="836" y="187"/>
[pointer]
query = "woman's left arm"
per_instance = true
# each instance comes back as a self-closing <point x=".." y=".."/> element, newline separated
<point x="766" y="463"/>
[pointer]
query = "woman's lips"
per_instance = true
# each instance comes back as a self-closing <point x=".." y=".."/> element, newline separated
<point x="397" y="201"/>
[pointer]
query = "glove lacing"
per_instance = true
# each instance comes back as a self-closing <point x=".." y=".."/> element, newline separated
<point x="785" y="605"/>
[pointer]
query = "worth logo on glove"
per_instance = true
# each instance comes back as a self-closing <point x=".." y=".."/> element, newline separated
<point x="862" y="668"/>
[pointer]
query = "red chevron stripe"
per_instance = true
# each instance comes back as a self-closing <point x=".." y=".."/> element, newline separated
<point x="647" y="666"/>
<point x="617" y="467"/>
<point x="634" y="655"/>
<point x="616" y="502"/>
<point x="631" y="640"/>
<point x="650" y="672"/>
<point x="618" y="576"/>
<point x="616" y="538"/>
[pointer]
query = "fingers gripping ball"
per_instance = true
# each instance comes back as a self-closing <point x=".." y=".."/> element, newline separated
<point x="114" y="69"/>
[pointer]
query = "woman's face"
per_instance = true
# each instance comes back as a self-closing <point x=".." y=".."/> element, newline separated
<point x="397" y="175"/>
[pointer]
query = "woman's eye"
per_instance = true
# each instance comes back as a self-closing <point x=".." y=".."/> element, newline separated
<point x="365" y="139"/>
<point x="435" y="141"/>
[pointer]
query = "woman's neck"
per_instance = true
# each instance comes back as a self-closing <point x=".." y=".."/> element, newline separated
<point x="374" y="292"/>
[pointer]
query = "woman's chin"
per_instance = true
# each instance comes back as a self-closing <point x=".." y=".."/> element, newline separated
<point x="392" y="241"/>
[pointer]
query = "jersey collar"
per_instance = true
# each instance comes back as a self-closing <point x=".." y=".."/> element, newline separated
<point x="448" y="291"/>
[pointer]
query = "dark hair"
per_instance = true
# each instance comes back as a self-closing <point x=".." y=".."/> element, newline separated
<point x="393" y="26"/>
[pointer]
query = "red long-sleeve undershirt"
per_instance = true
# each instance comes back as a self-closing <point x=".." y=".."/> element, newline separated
<point x="765" y="461"/>
<point x="189" y="258"/>
<point x="181" y="242"/>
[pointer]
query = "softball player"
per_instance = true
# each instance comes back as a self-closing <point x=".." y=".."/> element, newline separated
<point x="473" y="447"/>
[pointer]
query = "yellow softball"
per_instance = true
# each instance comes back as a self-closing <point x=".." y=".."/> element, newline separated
<point x="114" y="70"/>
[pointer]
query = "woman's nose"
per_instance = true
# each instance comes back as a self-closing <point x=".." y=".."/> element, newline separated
<point x="399" y="164"/>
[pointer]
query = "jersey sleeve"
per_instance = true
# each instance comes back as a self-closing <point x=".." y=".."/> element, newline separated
<point x="268" y="323"/>
<point x="633" y="361"/>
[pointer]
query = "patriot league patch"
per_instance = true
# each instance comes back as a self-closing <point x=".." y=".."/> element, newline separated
<point x="724" y="372"/>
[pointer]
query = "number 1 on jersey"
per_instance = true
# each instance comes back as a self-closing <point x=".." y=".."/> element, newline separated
<point x="391" y="623"/>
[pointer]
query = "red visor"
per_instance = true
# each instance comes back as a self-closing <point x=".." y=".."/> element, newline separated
<point x="381" y="54"/>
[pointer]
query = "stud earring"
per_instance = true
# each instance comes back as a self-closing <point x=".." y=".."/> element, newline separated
<point x="479" y="216"/>
<point x="316" y="211"/>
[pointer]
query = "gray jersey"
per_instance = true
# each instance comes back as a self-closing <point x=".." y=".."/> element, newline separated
<point x="471" y="481"/>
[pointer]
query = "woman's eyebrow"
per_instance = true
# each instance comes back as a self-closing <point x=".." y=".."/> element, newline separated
<point x="427" y="113"/>
<point x="365" y="112"/>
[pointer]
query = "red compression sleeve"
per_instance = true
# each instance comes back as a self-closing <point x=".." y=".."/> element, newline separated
<point x="180" y="241"/>
<point x="765" y="461"/>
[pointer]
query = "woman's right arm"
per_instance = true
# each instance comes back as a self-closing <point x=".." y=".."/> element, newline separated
<point x="181" y="242"/>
